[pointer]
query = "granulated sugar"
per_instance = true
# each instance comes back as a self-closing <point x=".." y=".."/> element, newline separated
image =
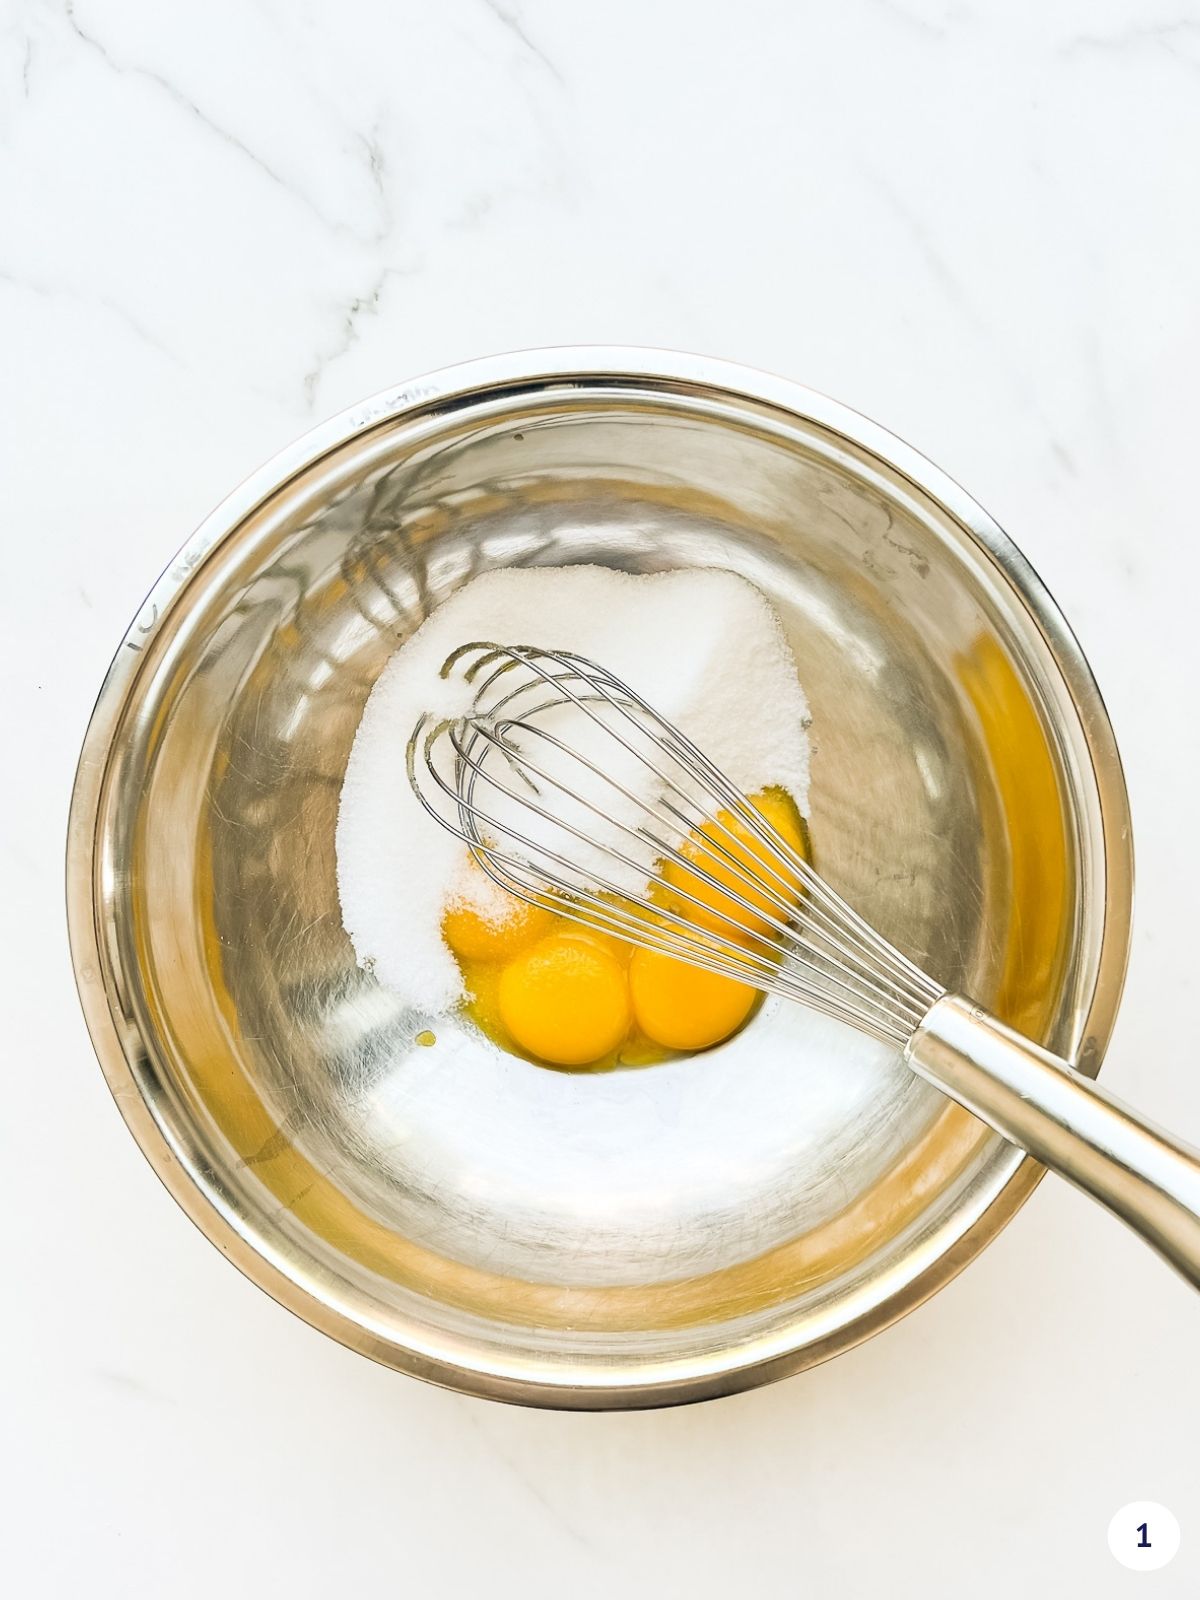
<point x="703" y="648"/>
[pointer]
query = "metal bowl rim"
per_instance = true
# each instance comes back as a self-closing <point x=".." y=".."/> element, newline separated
<point x="446" y="1362"/>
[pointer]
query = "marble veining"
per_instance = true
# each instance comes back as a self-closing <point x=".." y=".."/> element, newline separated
<point x="223" y="220"/>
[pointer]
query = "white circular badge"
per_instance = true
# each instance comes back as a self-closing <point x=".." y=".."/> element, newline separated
<point x="1143" y="1536"/>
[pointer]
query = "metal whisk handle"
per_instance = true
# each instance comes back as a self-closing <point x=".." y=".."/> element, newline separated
<point x="1068" y="1122"/>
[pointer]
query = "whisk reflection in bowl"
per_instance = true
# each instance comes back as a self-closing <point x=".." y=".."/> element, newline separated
<point x="575" y="794"/>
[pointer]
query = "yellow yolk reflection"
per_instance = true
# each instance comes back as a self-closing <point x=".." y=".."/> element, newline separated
<point x="561" y="994"/>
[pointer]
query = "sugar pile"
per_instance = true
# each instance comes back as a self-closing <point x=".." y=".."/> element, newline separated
<point x="704" y="648"/>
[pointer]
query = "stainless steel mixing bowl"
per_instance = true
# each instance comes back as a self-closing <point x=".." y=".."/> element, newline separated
<point x="621" y="1239"/>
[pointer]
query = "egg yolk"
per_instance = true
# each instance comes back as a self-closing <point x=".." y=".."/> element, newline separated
<point x="572" y="996"/>
<point x="712" y="905"/>
<point x="684" y="1007"/>
<point x="565" y="1000"/>
<point x="476" y="934"/>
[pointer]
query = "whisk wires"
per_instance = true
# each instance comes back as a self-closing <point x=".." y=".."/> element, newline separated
<point x="576" y="795"/>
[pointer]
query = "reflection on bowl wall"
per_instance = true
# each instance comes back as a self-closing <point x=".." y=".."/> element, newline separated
<point x="602" y="1240"/>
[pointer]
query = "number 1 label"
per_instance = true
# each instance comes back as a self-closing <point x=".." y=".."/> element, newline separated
<point x="1143" y="1536"/>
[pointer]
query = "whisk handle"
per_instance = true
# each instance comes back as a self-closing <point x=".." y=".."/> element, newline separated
<point x="1068" y="1122"/>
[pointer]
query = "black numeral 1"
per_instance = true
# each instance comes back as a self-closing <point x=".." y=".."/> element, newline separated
<point x="1144" y="1542"/>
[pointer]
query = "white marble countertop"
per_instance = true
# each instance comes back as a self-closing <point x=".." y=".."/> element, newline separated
<point x="974" y="221"/>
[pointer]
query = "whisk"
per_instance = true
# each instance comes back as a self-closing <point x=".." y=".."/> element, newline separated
<point x="575" y="795"/>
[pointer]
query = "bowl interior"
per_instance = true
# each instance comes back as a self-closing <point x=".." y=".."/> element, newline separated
<point x="468" y="1215"/>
